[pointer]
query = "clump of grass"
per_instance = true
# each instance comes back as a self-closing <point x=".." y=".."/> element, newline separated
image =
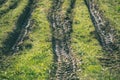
<point x="11" y="5"/>
<point x="111" y="10"/>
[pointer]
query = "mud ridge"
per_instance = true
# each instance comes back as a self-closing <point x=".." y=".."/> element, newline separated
<point x="61" y="30"/>
<point x="16" y="38"/>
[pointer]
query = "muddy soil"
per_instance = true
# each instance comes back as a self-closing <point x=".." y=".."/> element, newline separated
<point x="61" y="27"/>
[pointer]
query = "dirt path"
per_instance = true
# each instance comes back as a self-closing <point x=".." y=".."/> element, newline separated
<point x="61" y="30"/>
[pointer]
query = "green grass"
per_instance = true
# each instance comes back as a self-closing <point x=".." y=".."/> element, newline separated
<point x="8" y="21"/>
<point x="85" y="45"/>
<point x="7" y="4"/>
<point x="111" y="10"/>
<point x="34" y="63"/>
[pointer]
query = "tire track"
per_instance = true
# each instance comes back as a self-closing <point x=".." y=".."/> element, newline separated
<point x="61" y="30"/>
<point x="106" y="36"/>
<point x="16" y="38"/>
<point x="103" y="28"/>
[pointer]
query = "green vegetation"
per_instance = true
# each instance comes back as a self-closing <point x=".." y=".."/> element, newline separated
<point x="85" y="44"/>
<point x="32" y="63"/>
<point x="8" y="20"/>
<point x="35" y="59"/>
<point x="11" y="4"/>
<point x="111" y="9"/>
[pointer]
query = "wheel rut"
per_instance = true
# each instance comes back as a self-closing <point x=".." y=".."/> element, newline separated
<point x="16" y="38"/>
<point x="106" y="36"/>
<point x="103" y="27"/>
<point x="61" y="30"/>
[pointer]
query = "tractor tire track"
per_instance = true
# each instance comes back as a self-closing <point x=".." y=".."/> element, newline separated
<point x="106" y="36"/>
<point x="61" y="31"/>
<point x="12" y="6"/>
<point x="16" y="38"/>
<point x="103" y="28"/>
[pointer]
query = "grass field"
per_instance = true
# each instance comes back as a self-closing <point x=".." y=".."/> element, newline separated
<point x="35" y="60"/>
